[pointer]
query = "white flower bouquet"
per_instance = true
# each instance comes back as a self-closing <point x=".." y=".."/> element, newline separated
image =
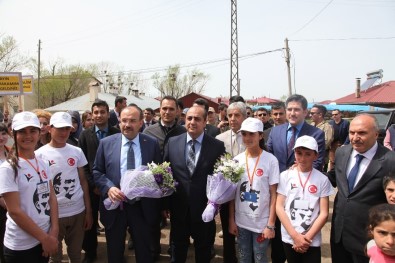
<point x="221" y="186"/>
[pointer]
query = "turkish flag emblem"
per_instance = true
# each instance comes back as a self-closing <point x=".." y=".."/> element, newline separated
<point x="313" y="189"/>
<point x="44" y="174"/>
<point x="71" y="161"/>
<point x="259" y="172"/>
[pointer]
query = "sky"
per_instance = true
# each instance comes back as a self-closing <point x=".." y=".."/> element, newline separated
<point x="332" y="42"/>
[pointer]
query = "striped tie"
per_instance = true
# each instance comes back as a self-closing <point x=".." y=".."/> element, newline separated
<point x="191" y="157"/>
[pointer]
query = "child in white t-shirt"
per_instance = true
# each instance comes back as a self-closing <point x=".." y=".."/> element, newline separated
<point x="303" y="204"/>
<point x="26" y="187"/>
<point x="70" y="185"/>
<point x="252" y="214"/>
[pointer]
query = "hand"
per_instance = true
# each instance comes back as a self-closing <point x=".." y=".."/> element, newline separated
<point x="222" y="124"/>
<point x="50" y="246"/>
<point x="115" y="194"/>
<point x="268" y="233"/>
<point x="301" y="245"/>
<point x="233" y="228"/>
<point x="88" y="220"/>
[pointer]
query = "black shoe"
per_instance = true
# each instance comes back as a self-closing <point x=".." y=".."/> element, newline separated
<point x="130" y="244"/>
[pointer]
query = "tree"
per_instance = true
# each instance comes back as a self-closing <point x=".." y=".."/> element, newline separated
<point x="60" y="83"/>
<point x="177" y="85"/>
<point x="10" y="57"/>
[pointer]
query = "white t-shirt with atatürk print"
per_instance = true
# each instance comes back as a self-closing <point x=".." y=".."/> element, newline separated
<point x="64" y="163"/>
<point x="34" y="192"/>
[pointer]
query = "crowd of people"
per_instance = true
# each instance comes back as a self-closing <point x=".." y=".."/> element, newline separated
<point x="56" y="170"/>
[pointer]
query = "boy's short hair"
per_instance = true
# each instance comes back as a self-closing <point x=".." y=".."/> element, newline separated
<point x="387" y="179"/>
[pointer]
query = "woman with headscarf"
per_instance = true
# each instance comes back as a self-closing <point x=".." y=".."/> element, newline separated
<point x="77" y="128"/>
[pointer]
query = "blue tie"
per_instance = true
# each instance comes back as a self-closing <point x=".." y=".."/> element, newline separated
<point x="352" y="176"/>
<point x="101" y="134"/>
<point x="130" y="164"/>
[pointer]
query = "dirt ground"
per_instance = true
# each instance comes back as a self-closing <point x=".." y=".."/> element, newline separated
<point x="164" y="257"/>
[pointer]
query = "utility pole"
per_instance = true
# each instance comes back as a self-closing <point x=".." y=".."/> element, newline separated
<point x="38" y="73"/>
<point x="287" y="58"/>
<point x="234" y="52"/>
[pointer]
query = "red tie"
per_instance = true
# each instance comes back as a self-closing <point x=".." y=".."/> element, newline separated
<point x="291" y="142"/>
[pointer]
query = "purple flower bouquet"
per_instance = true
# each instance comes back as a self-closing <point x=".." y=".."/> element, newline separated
<point x="221" y="186"/>
<point x="152" y="181"/>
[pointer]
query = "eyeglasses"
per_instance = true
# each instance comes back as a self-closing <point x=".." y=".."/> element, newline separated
<point x="248" y="113"/>
<point x="312" y="113"/>
<point x="262" y="114"/>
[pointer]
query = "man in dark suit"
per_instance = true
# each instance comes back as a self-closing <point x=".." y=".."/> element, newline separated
<point x="209" y="129"/>
<point x="340" y="135"/>
<point x="120" y="103"/>
<point x="149" y="118"/>
<point x="115" y="155"/>
<point x="358" y="175"/>
<point x="89" y="142"/>
<point x="192" y="156"/>
<point x="280" y="145"/>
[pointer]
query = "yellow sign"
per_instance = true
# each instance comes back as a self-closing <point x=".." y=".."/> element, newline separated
<point x="27" y="84"/>
<point x="11" y="83"/>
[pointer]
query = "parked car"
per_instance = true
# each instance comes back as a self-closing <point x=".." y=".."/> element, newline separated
<point x="385" y="119"/>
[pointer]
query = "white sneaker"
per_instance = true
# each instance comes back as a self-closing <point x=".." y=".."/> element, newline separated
<point x="220" y="234"/>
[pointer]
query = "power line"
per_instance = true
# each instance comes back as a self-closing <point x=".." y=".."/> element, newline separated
<point x="194" y="64"/>
<point x="342" y="39"/>
<point x="163" y="68"/>
<point x="314" y="17"/>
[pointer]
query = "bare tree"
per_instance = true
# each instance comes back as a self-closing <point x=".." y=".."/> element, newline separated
<point x="60" y="82"/>
<point x="176" y="84"/>
<point x="10" y="57"/>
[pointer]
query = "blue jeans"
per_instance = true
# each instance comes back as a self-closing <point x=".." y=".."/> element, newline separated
<point x="249" y="248"/>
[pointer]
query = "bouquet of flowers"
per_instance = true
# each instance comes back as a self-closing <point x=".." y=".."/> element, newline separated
<point x="221" y="186"/>
<point x="153" y="181"/>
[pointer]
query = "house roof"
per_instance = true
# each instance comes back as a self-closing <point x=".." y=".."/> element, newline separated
<point x="380" y="94"/>
<point x="263" y="100"/>
<point x="83" y="102"/>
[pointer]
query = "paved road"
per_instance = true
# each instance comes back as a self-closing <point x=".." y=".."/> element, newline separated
<point x="129" y="254"/>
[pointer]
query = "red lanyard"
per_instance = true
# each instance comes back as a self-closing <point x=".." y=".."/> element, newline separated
<point x="305" y="182"/>
<point x="251" y="178"/>
<point x="37" y="169"/>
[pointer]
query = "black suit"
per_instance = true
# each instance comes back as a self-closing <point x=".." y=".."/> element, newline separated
<point x="113" y="120"/>
<point x="89" y="143"/>
<point x="212" y="130"/>
<point x="145" y="125"/>
<point x="190" y="200"/>
<point x="350" y="211"/>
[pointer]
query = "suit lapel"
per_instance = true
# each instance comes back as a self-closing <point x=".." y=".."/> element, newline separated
<point x="117" y="152"/>
<point x="95" y="140"/>
<point x="341" y="169"/>
<point x="180" y="150"/>
<point x="203" y="152"/>
<point x="373" y="168"/>
<point x="144" y="152"/>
